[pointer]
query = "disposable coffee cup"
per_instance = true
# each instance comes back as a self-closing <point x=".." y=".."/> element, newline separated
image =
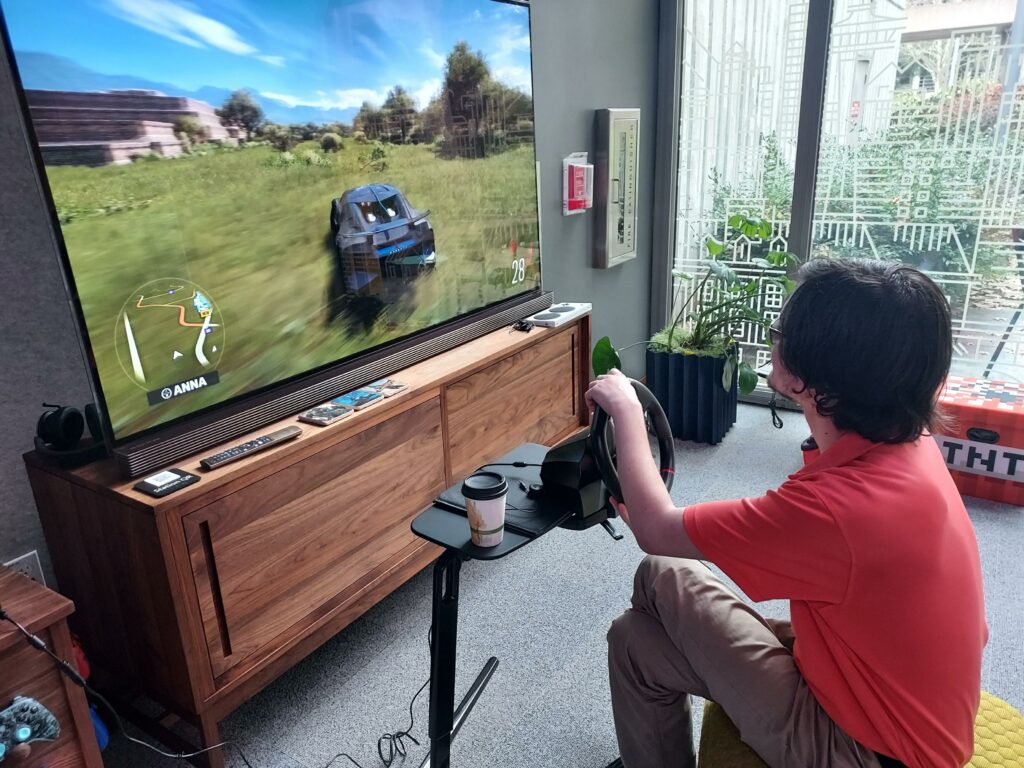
<point x="485" y="507"/>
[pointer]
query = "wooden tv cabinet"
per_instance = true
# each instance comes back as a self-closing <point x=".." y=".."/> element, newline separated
<point x="200" y="599"/>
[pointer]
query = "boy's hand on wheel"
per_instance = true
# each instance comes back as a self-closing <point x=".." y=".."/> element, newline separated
<point x="614" y="393"/>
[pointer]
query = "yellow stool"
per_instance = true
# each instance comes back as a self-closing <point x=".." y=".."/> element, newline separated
<point x="998" y="738"/>
<point x="998" y="735"/>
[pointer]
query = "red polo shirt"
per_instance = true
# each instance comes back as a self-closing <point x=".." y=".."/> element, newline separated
<point x="873" y="547"/>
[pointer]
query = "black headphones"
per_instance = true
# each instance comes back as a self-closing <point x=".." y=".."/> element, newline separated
<point x="59" y="433"/>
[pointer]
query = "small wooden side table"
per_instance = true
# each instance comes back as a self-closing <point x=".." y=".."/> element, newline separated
<point x="25" y="671"/>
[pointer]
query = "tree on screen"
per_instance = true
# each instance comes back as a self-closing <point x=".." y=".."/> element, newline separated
<point x="431" y="123"/>
<point x="370" y="120"/>
<point x="242" y="110"/>
<point x="400" y="111"/>
<point x="464" y="73"/>
<point x="279" y="136"/>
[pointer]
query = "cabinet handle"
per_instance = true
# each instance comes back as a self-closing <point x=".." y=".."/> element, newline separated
<point x="218" y="597"/>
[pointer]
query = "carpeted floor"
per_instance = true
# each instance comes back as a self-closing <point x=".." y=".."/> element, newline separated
<point x="544" y="611"/>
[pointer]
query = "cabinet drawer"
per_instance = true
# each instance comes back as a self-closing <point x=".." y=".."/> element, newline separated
<point x="529" y="397"/>
<point x="284" y="551"/>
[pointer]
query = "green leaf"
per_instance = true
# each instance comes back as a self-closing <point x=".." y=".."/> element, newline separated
<point x="778" y="258"/>
<point x="715" y="248"/>
<point x="750" y="287"/>
<point x="722" y="272"/>
<point x="765" y="229"/>
<point x="727" y="373"/>
<point x="790" y="285"/>
<point x="763" y="263"/>
<point x="736" y="220"/>
<point x="605" y="357"/>
<point x="750" y="229"/>
<point x="747" y="379"/>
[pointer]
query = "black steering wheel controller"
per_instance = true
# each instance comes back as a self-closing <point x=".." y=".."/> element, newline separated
<point x="601" y="442"/>
<point x="581" y="472"/>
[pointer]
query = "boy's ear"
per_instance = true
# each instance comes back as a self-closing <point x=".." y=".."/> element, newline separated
<point x="795" y="389"/>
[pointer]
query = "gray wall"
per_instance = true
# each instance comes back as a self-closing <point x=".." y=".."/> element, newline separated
<point x="41" y="359"/>
<point x="610" y="63"/>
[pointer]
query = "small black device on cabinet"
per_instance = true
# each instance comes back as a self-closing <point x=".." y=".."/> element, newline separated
<point x="168" y="481"/>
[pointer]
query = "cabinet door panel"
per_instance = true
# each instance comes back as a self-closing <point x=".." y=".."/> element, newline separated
<point x="529" y="397"/>
<point x="277" y="555"/>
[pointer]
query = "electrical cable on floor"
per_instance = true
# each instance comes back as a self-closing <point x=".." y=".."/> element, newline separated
<point x="776" y="419"/>
<point x="392" y="743"/>
<point x="73" y="675"/>
<point x="395" y="742"/>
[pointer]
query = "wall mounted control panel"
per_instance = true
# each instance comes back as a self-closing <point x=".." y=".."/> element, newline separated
<point x="616" y="167"/>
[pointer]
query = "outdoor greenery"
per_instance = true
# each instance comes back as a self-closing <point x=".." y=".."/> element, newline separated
<point x="242" y="110"/>
<point x="473" y="115"/>
<point x="281" y="137"/>
<point x="331" y="142"/>
<point x="190" y="129"/>
<point x="900" y="177"/>
<point x="715" y="303"/>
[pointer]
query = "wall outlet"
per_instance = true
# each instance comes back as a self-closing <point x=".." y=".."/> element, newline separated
<point x="29" y="565"/>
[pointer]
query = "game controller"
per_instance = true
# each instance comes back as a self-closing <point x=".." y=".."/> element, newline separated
<point x="24" y="722"/>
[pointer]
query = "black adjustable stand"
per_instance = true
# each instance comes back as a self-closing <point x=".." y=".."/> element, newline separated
<point x="445" y="720"/>
<point x="449" y="529"/>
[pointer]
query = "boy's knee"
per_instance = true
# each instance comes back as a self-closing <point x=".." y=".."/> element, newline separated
<point x="619" y="633"/>
<point x="654" y="571"/>
<point x="624" y="633"/>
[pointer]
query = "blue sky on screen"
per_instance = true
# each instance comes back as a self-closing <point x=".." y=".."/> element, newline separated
<point x="329" y="54"/>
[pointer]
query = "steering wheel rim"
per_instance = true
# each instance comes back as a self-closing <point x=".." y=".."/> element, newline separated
<point x="599" y="441"/>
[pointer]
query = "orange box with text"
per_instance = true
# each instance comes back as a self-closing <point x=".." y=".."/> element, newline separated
<point x="985" y="450"/>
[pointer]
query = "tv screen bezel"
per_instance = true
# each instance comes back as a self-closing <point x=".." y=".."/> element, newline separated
<point x="253" y="398"/>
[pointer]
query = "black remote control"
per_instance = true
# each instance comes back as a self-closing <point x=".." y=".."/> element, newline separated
<point x="251" y="447"/>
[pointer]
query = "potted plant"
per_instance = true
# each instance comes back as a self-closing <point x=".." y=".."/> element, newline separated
<point x="693" y="364"/>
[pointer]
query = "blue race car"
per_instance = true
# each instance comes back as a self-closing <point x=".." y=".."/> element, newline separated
<point x="381" y="242"/>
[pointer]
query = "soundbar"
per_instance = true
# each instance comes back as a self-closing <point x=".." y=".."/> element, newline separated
<point x="143" y="456"/>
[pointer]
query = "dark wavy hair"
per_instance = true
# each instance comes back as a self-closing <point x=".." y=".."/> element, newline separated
<point x="873" y="341"/>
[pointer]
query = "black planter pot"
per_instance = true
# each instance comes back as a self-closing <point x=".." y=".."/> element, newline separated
<point x="689" y="388"/>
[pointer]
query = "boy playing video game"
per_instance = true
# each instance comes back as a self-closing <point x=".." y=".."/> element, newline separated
<point x="870" y="543"/>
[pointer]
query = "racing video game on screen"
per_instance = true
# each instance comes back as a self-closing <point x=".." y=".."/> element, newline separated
<point x="250" y="192"/>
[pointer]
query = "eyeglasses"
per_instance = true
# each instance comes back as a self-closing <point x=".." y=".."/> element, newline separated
<point x="775" y="333"/>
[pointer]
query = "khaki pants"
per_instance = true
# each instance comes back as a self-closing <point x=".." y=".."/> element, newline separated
<point x="687" y="633"/>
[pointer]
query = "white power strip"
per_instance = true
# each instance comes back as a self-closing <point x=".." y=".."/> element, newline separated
<point x="559" y="314"/>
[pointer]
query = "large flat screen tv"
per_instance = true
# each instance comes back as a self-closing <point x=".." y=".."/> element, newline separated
<point x="252" y="194"/>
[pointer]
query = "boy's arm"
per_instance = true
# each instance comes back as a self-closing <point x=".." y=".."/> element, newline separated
<point x="655" y="520"/>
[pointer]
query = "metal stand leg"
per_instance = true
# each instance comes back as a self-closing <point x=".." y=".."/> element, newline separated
<point x="445" y="722"/>
<point x="612" y="530"/>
